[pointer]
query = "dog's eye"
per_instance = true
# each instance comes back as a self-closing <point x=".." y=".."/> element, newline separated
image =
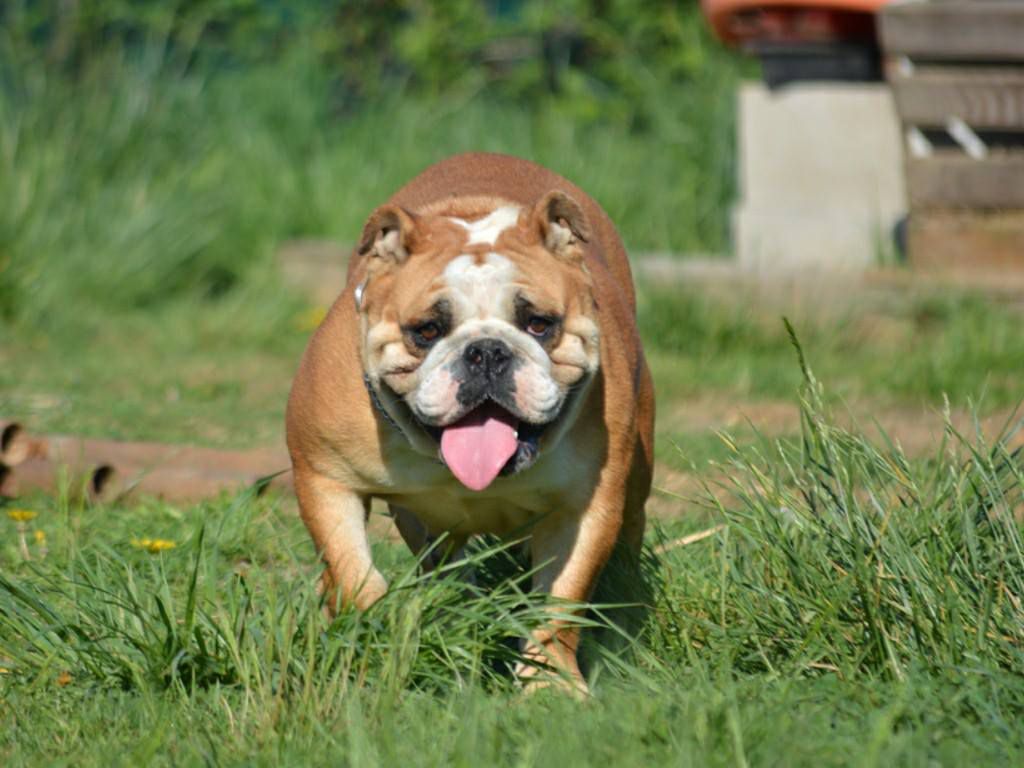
<point x="538" y="326"/>
<point x="428" y="332"/>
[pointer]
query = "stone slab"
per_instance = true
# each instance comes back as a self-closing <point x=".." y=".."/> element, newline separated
<point x="821" y="175"/>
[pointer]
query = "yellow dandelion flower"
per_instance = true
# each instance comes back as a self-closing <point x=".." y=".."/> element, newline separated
<point x="309" y="319"/>
<point x="40" y="537"/>
<point x="63" y="678"/>
<point x="153" y="545"/>
<point x="21" y="515"/>
<point x="4" y="671"/>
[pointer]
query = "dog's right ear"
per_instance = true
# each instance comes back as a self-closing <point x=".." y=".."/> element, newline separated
<point x="388" y="234"/>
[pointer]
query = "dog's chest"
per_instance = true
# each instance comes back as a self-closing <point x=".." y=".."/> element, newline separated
<point x="443" y="511"/>
<point x="508" y="507"/>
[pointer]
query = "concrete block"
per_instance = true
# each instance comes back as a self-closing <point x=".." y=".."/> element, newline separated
<point x="821" y="175"/>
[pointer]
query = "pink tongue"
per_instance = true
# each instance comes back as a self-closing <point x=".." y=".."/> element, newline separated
<point x="477" y="447"/>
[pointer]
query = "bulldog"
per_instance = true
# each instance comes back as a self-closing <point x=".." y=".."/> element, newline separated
<point x="481" y="372"/>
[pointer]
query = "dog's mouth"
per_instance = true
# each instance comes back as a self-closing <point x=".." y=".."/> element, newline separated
<point x="487" y="442"/>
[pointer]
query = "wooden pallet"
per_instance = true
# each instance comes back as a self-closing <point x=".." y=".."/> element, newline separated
<point x="957" y="74"/>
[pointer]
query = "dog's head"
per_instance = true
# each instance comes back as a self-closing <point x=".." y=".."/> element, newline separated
<point x="479" y="333"/>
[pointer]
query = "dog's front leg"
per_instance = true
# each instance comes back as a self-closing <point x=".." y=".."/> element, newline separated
<point x="569" y="552"/>
<point x="336" y="519"/>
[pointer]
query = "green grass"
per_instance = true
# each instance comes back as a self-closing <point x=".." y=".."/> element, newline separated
<point x="857" y="608"/>
<point x="912" y="349"/>
<point x="189" y="371"/>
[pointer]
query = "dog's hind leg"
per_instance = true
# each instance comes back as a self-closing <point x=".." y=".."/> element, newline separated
<point x="569" y="553"/>
<point x="418" y="538"/>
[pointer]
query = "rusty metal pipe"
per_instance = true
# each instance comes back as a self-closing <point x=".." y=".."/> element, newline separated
<point x="95" y="483"/>
<point x="14" y="443"/>
<point x="104" y="470"/>
<point x="149" y="455"/>
<point x="189" y="484"/>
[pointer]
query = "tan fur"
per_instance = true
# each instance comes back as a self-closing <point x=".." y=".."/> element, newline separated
<point x="589" y="487"/>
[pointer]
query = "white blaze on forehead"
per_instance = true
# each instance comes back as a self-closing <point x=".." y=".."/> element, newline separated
<point x="487" y="229"/>
<point x="481" y="289"/>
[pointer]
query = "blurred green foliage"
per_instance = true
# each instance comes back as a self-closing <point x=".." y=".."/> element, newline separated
<point x="151" y="151"/>
<point x="598" y="58"/>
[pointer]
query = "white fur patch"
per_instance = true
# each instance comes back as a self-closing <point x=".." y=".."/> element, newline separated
<point x="481" y="290"/>
<point x="537" y="395"/>
<point x="436" y="396"/>
<point x="487" y="229"/>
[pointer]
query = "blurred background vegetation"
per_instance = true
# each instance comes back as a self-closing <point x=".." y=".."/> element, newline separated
<point x="151" y="151"/>
<point x="155" y="156"/>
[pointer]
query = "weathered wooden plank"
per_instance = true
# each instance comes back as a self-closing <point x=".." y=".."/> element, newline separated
<point x="953" y="181"/>
<point x="991" y="30"/>
<point x="984" y="101"/>
<point x="947" y="241"/>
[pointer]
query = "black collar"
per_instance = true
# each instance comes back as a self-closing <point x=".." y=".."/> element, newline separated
<point x="375" y="399"/>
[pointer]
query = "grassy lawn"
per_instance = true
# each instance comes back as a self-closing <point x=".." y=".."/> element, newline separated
<point x="859" y="606"/>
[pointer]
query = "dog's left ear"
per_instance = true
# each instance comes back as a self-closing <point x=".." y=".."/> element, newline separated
<point x="561" y="224"/>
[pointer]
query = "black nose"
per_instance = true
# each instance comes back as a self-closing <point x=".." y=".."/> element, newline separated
<point x="487" y="356"/>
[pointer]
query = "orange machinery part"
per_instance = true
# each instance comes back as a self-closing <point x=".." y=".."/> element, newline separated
<point x="741" y="21"/>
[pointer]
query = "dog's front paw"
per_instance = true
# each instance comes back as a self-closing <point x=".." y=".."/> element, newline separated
<point x="371" y="588"/>
<point x="540" y="670"/>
